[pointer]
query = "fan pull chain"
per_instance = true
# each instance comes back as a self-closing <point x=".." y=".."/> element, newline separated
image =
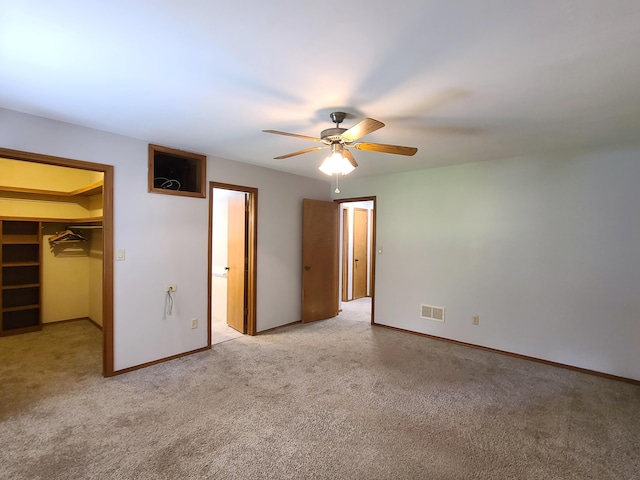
<point x="337" y="190"/>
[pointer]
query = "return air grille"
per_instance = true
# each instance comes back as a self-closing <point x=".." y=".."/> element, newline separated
<point x="431" y="312"/>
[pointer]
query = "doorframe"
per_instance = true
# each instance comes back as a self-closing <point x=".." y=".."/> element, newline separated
<point x="107" y="230"/>
<point x="353" y="262"/>
<point x="374" y="214"/>
<point x="345" y="251"/>
<point x="252" y="245"/>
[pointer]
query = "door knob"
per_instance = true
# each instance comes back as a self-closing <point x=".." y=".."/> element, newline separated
<point x="307" y="267"/>
<point x="356" y="259"/>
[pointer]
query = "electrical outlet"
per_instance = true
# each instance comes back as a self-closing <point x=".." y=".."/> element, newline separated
<point x="194" y="323"/>
<point x="475" y="320"/>
<point x="172" y="288"/>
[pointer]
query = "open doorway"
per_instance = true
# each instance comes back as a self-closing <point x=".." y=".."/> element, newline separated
<point x="357" y="258"/>
<point x="328" y="260"/>
<point x="46" y="213"/>
<point x="232" y="261"/>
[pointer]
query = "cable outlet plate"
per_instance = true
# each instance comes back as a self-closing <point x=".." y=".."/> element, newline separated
<point x="172" y="288"/>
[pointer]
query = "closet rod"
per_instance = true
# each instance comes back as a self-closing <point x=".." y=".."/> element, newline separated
<point x="69" y="227"/>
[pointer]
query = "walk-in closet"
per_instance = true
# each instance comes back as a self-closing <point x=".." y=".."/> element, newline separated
<point x="51" y="245"/>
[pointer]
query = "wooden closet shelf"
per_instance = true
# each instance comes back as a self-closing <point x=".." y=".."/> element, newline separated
<point x="20" y="276"/>
<point x="20" y="330"/>
<point x="22" y="285"/>
<point x="88" y="190"/>
<point x="21" y="307"/>
<point x="20" y="240"/>
<point x="20" y="264"/>
<point x="52" y="220"/>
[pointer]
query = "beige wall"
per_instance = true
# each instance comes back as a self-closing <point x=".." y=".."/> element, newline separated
<point x="95" y="276"/>
<point x="71" y="277"/>
<point x="65" y="278"/>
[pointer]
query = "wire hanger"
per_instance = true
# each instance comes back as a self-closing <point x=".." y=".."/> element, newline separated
<point x="67" y="236"/>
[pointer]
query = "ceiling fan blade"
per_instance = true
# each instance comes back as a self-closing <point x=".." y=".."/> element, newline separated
<point x="347" y="154"/>
<point x="304" y="137"/>
<point x="381" y="147"/>
<point x="300" y="152"/>
<point x="361" y="129"/>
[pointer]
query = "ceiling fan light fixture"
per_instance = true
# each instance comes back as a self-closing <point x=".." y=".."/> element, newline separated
<point x="335" y="163"/>
<point x="341" y="161"/>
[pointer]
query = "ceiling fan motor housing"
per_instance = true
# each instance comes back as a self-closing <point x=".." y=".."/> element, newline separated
<point x="331" y="135"/>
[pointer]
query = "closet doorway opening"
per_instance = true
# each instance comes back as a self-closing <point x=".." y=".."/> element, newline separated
<point x="357" y="258"/>
<point x="232" y="261"/>
<point x="52" y="199"/>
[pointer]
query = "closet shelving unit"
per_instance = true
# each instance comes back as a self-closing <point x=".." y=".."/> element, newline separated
<point x="20" y="276"/>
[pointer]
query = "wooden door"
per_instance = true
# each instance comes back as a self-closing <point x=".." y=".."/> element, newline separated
<point x="236" y="258"/>
<point x="320" y="241"/>
<point x="360" y="257"/>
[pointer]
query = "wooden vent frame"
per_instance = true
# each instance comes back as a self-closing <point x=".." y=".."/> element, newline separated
<point x="176" y="172"/>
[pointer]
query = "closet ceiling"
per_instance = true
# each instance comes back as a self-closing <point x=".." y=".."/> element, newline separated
<point x="463" y="81"/>
<point x="32" y="175"/>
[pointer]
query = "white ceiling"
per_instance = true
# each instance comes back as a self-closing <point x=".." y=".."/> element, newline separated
<point x="462" y="80"/>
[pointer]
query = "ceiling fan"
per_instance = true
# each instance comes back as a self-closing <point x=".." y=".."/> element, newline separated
<point x="340" y="139"/>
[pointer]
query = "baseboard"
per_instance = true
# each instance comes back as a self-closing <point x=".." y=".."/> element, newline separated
<point x="96" y="324"/>
<point x="173" y="357"/>
<point x="517" y="355"/>
<point x="261" y="332"/>
<point x="80" y="319"/>
<point x="44" y="324"/>
<point x="161" y="360"/>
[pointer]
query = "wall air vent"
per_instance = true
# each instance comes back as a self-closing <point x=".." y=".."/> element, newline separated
<point x="431" y="312"/>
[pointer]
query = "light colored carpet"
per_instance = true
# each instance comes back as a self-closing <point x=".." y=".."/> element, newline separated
<point x="221" y="332"/>
<point x="336" y="399"/>
<point x="357" y="310"/>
